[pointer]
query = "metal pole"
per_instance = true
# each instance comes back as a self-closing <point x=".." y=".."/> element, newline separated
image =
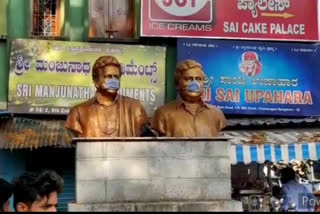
<point x="269" y="177"/>
<point x="312" y="171"/>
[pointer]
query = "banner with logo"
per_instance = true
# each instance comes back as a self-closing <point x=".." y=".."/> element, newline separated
<point x="294" y="20"/>
<point x="49" y="77"/>
<point x="258" y="78"/>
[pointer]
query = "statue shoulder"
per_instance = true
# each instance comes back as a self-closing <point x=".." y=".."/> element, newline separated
<point x="83" y="105"/>
<point x="169" y="107"/>
<point x="130" y="100"/>
<point x="211" y="107"/>
<point x="214" y="109"/>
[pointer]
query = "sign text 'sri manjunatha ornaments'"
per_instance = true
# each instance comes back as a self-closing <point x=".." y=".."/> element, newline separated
<point x="49" y="77"/>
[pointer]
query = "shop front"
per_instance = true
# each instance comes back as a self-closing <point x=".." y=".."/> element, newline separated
<point x="28" y="144"/>
<point x="258" y="156"/>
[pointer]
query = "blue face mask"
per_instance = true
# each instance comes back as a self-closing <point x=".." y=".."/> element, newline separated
<point x="194" y="86"/>
<point x="112" y="84"/>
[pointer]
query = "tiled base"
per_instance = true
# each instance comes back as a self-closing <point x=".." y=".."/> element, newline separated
<point x="201" y="206"/>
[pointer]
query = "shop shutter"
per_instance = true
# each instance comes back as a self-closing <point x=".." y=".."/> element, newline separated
<point x="68" y="195"/>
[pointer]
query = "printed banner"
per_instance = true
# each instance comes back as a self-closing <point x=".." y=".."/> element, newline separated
<point x="49" y="77"/>
<point x="258" y="78"/>
<point x="294" y="20"/>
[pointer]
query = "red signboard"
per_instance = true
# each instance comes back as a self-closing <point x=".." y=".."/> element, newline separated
<point x="295" y="20"/>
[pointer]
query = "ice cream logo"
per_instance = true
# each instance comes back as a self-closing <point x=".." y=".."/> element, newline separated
<point x="196" y="11"/>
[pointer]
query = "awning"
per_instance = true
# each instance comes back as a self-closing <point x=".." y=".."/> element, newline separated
<point x="26" y="133"/>
<point x="274" y="153"/>
<point x="276" y="122"/>
<point x="275" y="146"/>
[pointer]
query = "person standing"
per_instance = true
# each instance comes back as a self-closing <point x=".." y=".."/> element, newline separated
<point x="295" y="194"/>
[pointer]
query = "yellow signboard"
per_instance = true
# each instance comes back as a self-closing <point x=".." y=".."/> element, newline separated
<point x="49" y="77"/>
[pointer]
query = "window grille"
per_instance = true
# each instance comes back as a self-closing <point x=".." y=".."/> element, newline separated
<point x="45" y="20"/>
<point x="112" y="19"/>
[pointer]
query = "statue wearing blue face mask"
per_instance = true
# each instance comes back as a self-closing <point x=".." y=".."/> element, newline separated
<point x="188" y="115"/>
<point x="194" y="86"/>
<point x="107" y="114"/>
<point x="113" y="84"/>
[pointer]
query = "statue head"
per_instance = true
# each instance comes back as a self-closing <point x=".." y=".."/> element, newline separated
<point x="189" y="79"/>
<point x="106" y="74"/>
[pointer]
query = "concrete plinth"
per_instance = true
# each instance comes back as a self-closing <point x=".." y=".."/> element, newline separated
<point x="203" y="206"/>
<point x="148" y="174"/>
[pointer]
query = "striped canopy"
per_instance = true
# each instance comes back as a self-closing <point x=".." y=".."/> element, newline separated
<point x="274" y="146"/>
<point x="244" y="153"/>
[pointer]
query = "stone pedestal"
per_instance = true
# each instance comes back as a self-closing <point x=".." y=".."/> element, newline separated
<point x="153" y="174"/>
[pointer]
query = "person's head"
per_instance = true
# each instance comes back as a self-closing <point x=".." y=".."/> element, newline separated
<point x="189" y="78"/>
<point x="37" y="191"/>
<point x="5" y="195"/>
<point x="106" y="74"/>
<point x="277" y="192"/>
<point x="287" y="174"/>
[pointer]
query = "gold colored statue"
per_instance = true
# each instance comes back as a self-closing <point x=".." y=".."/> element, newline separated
<point x="189" y="115"/>
<point x="107" y="114"/>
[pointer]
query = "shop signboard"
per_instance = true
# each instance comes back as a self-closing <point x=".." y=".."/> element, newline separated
<point x="49" y="77"/>
<point x="293" y="20"/>
<point x="258" y="78"/>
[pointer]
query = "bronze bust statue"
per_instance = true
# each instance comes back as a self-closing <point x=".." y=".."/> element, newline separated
<point x="189" y="115"/>
<point x="107" y="114"/>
